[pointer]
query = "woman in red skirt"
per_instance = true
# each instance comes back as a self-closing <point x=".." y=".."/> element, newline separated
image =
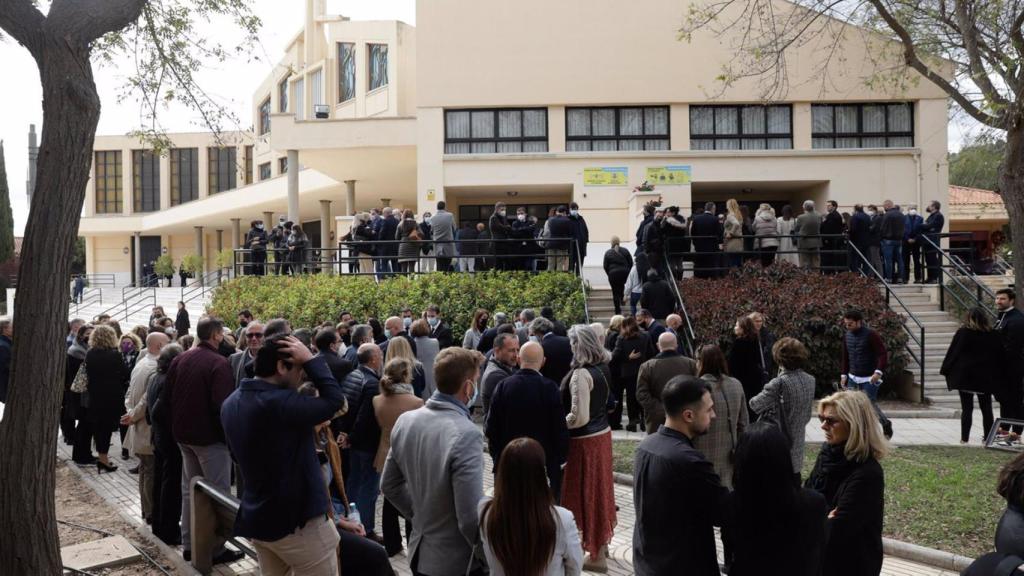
<point x="588" y="488"/>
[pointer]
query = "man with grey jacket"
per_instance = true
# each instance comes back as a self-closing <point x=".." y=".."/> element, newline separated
<point x="436" y="460"/>
<point x="443" y="229"/>
<point x="807" y="231"/>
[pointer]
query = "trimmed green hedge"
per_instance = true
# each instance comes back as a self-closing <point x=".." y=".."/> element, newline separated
<point x="311" y="299"/>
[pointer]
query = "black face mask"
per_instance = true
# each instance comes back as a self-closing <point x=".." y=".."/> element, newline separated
<point x="244" y="323"/>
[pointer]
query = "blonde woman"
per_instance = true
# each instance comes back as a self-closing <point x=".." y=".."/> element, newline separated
<point x="400" y="348"/>
<point x="766" y="228"/>
<point x="612" y="335"/>
<point x="733" y="233"/>
<point x="848" y="474"/>
<point x="108" y="379"/>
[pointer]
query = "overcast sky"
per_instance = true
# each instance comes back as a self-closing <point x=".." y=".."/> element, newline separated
<point x="233" y="83"/>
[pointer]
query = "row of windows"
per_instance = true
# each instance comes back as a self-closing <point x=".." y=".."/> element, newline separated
<point x="184" y="164"/>
<point x="715" y="127"/>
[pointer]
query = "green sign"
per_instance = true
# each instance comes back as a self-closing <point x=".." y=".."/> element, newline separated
<point x="670" y="175"/>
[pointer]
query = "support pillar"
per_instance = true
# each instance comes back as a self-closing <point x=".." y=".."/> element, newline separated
<point x="137" y="241"/>
<point x="199" y="252"/>
<point x="350" y="197"/>
<point x="220" y="248"/>
<point x="293" y="186"/>
<point x="236" y="233"/>
<point x="327" y="246"/>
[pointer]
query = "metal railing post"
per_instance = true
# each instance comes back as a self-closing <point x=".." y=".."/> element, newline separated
<point x="923" y="360"/>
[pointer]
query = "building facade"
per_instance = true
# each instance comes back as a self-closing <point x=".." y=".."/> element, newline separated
<point x="485" y="101"/>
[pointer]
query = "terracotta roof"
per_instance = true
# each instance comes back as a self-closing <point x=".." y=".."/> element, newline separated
<point x="959" y="195"/>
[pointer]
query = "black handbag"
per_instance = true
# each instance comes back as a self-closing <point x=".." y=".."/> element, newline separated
<point x="778" y="415"/>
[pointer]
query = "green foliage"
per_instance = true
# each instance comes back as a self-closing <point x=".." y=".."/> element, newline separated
<point x="192" y="263"/>
<point x="798" y="303"/>
<point x="224" y="259"/>
<point x="976" y="165"/>
<point x="311" y="299"/>
<point x="78" y="260"/>
<point x="164" y="266"/>
<point x="6" y="216"/>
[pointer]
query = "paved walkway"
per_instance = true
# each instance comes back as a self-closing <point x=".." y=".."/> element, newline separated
<point x="121" y="490"/>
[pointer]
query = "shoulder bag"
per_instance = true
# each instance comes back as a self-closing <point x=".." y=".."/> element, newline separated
<point x="778" y="414"/>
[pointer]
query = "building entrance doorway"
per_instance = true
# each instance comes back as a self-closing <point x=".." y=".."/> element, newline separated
<point x="151" y="250"/>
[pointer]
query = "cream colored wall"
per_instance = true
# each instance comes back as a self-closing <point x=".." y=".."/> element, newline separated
<point x="108" y="255"/>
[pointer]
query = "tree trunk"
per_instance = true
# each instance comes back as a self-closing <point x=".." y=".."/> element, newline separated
<point x="28" y="433"/>
<point x="1012" y="191"/>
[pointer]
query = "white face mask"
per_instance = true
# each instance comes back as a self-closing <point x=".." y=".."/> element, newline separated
<point x="522" y="217"/>
<point x="870" y="212"/>
<point x="574" y="212"/>
<point x="913" y="212"/>
<point x="501" y="212"/>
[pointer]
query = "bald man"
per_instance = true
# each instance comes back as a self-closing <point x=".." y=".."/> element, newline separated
<point x="653" y="376"/>
<point x="528" y="404"/>
<point x="395" y="328"/>
<point x="674" y="324"/>
<point x="139" y="438"/>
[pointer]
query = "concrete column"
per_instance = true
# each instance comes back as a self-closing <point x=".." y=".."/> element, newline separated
<point x="137" y="239"/>
<point x="293" y="186"/>
<point x="326" y="227"/>
<point x="236" y="233"/>
<point x="350" y="197"/>
<point x="220" y="240"/>
<point x="199" y="251"/>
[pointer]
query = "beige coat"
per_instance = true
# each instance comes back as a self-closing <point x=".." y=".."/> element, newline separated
<point x="387" y="408"/>
<point x="139" y="437"/>
<point x="733" y="234"/>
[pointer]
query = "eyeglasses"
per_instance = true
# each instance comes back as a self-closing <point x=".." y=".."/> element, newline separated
<point x="829" y="421"/>
<point x="254" y="335"/>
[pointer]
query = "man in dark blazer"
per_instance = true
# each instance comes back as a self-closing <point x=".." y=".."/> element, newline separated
<point x="706" y="232"/>
<point x="1010" y="324"/>
<point x="931" y="229"/>
<point x="501" y="231"/>
<point x="557" y="351"/>
<point x="327" y="344"/>
<point x="657" y="295"/>
<point x="388" y="227"/>
<point x="439" y="329"/>
<point x="556" y="326"/>
<point x="528" y="404"/>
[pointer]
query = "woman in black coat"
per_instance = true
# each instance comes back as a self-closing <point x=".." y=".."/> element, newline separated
<point x="108" y="379"/>
<point x="182" y="324"/>
<point x="166" y="516"/>
<point x="975" y="364"/>
<point x="746" y="360"/>
<point x="848" y="474"/>
<point x="617" y="264"/>
<point x="631" y="350"/>
<point x="73" y="410"/>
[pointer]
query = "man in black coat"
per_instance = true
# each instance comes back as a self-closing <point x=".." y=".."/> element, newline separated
<point x="706" y="232"/>
<point x="327" y="344"/>
<point x="1011" y="326"/>
<point x="931" y="229"/>
<point x="528" y="404"/>
<point x="500" y="231"/>
<point x="860" y="237"/>
<point x="557" y="351"/>
<point x="439" y="329"/>
<point x="657" y="296"/>
<point x="832" y="225"/>
<point x="388" y="227"/>
<point x="468" y="247"/>
<point x="256" y="240"/>
<point x="557" y="326"/>
<point x="676" y="493"/>
<point x="560" y="227"/>
<point x="581" y="234"/>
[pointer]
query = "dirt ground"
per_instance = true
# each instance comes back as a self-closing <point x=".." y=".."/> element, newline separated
<point x="79" y="504"/>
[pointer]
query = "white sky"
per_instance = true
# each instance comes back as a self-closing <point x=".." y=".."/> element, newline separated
<point x="232" y="82"/>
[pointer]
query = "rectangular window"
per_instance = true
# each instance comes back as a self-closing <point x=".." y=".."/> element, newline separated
<point x="609" y="129"/>
<point x="184" y="175"/>
<point x="880" y="125"/>
<point x="346" y="71"/>
<point x="223" y="169"/>
<point x="753" y="127"/>
<point x="300" y="99"/>
<point x="378" y="65"/>
<point x="282" y="96"/>
<point x="282" y="165"/>
<point x="146" y="181"/>
<point x="265" y="171"/>
<point x="496" y="131"/>
<point x="248" y="164"/>
<point x="265" y="117"/>
<point x="108" y="182"/>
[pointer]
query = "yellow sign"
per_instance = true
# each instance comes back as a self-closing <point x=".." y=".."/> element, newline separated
<point x="430" y="195"/>
<point x="669" y="175"/>
<point x="605" y="176"/>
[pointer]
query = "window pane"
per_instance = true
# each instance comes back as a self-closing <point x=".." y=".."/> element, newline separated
<point x="753" y="120"/>
<point x="510" y="124"/>
<point x="658" y="144"/>
<point x="702" y="120"/>
<point x="577" y="146"/>
<point x="780" y="144"/>
<point x="603" y="122"/>
<point x="822" y="143"/>
<point x="779" y="120"/>
<point x="378" y="66"/>
<point x="282" y="96"/>
<point x="899" y="118"/>
<point x="535" y="123"/>
<point x="873" y="142"/>
<point x="346" y="71"/>
<point x="483" y="124"/>
<point x="536" y="146"/>
<point x="726" y="121"/>
<point x="456" y="148"/>
<point x="702" y="144"/>
<point x="482" y="148"/>
<point x="847" y="143"/>
<point x="265" y="171"/>
<point x="753" y="143"/>
<point x="300" y="99"/>
<point x="457" y="124"/>
<point x="901" y="142"/>
<point x="846" y="119"/>
<point x="578" y="122"/>
<point x="727" y="144"/>
<point x="631" y="122"/>
<point x="656" y="121"/>
<point x="821" y="119"/>
<point x="509" y="147"/>
<point x="631" y="145"/>
<point x="874" y="119"/>
<point x="604" y="146"/>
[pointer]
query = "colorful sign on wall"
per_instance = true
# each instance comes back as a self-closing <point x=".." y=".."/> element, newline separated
<point x="670" y="175"/>
<point x="605" y="176"/>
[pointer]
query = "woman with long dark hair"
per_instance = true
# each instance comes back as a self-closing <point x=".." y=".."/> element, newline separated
<point x="769" y="520"/>
<point x="731" y="414"/>
<point x="632" y="348"/>
<point x="747" y="361"/>
<point x="524" y="533"/>
<point x="975" y="365"/>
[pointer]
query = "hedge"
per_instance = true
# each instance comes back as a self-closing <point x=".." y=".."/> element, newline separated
<point x="796" y="302"/>
<point x="311" y="299"/>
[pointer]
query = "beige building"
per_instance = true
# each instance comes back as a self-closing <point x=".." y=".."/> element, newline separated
<point x="485" y="102"/>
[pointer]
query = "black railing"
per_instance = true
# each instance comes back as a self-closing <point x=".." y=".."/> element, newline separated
<point x="198" y="287"/>
<point x="972" y="292"/>
<point x="134" y="299"/>
<point x="213" y="519"/>
<point x="583" y="284"/>
<point x="689" y="336"/>
<point x="90" y="296"/>
<point x="832" y="256"/>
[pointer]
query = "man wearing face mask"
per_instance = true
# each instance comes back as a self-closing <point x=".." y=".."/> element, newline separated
<point x="931" y="228"/>
<point x="912" y="245"/>
<point x="523" y="230"/>
<point x="439" y="330"/>
<point x="427" y="264"/>
<point x="284" y="508"/>
<point x="279" y="238"/>
<point x="439" y="489"/>
<point x="395" y="327"/>
<point x="500" y="231"/>
<point x="256" y="240"/>
<point x="581" y="234"/>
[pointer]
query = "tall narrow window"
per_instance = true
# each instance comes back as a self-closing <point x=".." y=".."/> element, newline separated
<point x="346" y="71"/>
<point x="184" y="175"/>
<point x="753" y="127"/>
<point x="282" y="165"/>
<point x="223" y="169"/>
<point x="378" y="65"/>
<point x="248" y="164"/>
<point x="316" y="90"/>
<point x="882" y="125"/>
<point x="265" y="117"/>
<point x="282" y="96"/>
<point x="611" y="129"/>
<point x="490" y="131"/>
<point x="300" y="99"/>
<point x="108" y="184"/>
<point x="146" y="181"/>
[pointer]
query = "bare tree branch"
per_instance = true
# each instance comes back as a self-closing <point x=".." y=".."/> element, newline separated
<point x="977" y="69"/>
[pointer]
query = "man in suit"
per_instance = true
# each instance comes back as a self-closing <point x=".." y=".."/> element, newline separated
<point x="654" y="375"/>
<point x="443" y="229"/>
<point x="706" y="232"/>
<point x="557" y="351"/>
<point x="892" y="228"/>
<point x="501" y="231"/>
<point x="395" y="328"/>
<point x="912" y="245"/>
<point x="860" y="237"/>
<point x="438" y="328"/>
<point x="562" y="229"/>
<point x="487" y="338"/>
<point x="528" y="404"/>
<point x="808" y="230"/>
<point x="581" y="235"/>
<point x="242" y="361"/>
<point x="386" y="232"/>
<point x="557" y="327"/>
<point x="1010" y="325"/>
<point x="657" y="295"/>
<point x="931" y="229"/>
<point x="440" y="489"/>
<point x="832" y="228"/>
<point x="526" y="315"/>
<point x="327" y="343"/>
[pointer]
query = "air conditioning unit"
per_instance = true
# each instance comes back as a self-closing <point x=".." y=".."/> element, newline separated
<point x="321" y="111"/>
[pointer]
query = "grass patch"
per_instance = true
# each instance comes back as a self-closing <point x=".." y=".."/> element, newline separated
<point x="936" y="496"/>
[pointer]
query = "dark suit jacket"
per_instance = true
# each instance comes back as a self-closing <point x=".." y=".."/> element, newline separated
<point x="557" y="357"/>
<point x="443" y="334"/>
<point x="339" y="366"/>
<point x="5" y="366"/>
<point x="705" y="224"/>
<point x="388" y="228"/>
<point x="108" y="381"/>
<point x="659" y="298"/>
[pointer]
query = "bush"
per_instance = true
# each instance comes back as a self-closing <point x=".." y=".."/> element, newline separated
<point x="192" y="264"/>
<point x="311" y="299"/>
<point x="164" y="266"/>
<point x="798" y="303"/>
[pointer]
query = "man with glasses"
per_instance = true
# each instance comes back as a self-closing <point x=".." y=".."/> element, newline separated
<point x="863" y="362"/>
<point x="242" y="361"/>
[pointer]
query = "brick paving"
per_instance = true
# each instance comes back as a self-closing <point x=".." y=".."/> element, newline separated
<point x="121" y="490"/>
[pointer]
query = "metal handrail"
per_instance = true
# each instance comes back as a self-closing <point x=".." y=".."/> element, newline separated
<point x="197" y="288"/>
<point x="889" y="293"/>
<point x="89" y="296"/>
<point x="583" y="283"/>
<point x="979" y="289"/>
<point x="688" y="334"/>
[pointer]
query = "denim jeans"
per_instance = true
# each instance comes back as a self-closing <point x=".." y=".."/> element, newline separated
<point x="363" y="485"/>
<point x="872" y="391"/>
<point x="892" y="258"/>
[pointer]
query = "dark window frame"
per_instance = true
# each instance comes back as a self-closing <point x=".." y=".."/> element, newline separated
<point x="496" y="139"/>
<point x="264" y="117"/>
<point x="108" y="189"/>
<point x="341" y="72"/>
<point x="740" y="134"/>
<point x="282" y="165"/>
<point x="182" y="157"/>
<point x="220" y="168"/>
<point x="145" y="181"/>
<point x="860" y="135"/>
<point x="282" y="96"/>
<point x="617" y="136"/>
<point x="266" y="171"/>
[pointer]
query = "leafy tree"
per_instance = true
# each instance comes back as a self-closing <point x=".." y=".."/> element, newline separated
<point x="169" y="41"/>
<point x="972" y="50"/>
<point x="976" y="165"/>
<point x="6" y="217"/>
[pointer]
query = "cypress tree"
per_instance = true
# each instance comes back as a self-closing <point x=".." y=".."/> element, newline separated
<point x="6" y="216"/>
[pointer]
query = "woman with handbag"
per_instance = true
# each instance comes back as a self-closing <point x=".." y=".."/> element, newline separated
<point x="107" y="379"/>
<point x="409" y="236"/>
<point x="76" y="384"/>
<point x="731" y="416"/>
